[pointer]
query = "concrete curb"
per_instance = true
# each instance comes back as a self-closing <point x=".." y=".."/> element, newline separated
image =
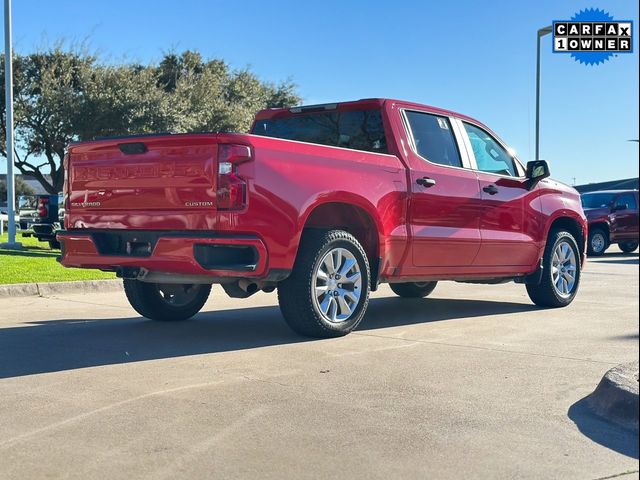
<point x="616" y="396"/>
<point x="57" y="288"/>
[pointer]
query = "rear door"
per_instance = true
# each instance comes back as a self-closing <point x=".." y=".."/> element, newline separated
<point x="506" y="228"/>
<point x="445" y="195"/>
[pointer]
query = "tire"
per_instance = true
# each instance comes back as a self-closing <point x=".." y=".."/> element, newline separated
<point x="547" y="293"/>
<point x="598" y="242"/>
<point x="628" y="247"/>
<point x="166" y="302"/>
<point x="304" y="297"/>
<point x="54" y="244"/>
<point x="413" y="289"/>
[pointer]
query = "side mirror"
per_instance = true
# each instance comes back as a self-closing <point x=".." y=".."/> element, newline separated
<point x="619" y="206"/>
<point x="536" y="171"/>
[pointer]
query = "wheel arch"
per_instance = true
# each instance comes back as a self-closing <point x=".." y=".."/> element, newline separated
<point x="354" y="215"/>
<point x="575" y="226"/>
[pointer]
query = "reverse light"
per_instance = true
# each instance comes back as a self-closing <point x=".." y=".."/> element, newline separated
<point x="232" y="189"/>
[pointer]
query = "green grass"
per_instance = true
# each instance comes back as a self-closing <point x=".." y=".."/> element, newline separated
<point x="36" y="262"/>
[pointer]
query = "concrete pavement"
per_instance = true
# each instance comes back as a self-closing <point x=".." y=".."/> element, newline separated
<point x="474" y="382"/>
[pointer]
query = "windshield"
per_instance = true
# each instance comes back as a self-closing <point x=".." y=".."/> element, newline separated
<point x="597" y="200"/>
<point x="359" y="130"/>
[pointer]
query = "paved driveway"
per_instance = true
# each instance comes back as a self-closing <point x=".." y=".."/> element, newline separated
<point x="474" y="382"/>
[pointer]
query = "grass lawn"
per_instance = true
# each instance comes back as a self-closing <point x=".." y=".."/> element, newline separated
<point x="36" y="262"/>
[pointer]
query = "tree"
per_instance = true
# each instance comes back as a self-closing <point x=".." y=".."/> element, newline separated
<point x="21" y="188"/>
<point x="67" y="95"/>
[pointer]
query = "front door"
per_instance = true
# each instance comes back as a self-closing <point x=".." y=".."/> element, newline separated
<point x="624" y="222"/>
<point x="506" y="228"/>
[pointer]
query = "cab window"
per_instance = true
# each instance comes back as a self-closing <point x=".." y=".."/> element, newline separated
<point x="434" y="139"/>
<point x="489" y="154"/>
<point x="629" y="200"/>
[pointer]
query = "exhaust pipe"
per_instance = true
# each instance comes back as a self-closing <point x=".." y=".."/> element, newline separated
<point x="242" y="288"/>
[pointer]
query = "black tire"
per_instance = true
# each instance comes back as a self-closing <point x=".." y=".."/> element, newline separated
<point x="598" y="241"/>
<point x="628" y="247"/>
<point x="413" y="289"/>
<point x="545" y="293"/>
<point x="54" y="244"/>
<point x="152" y="300"/>
<point x="296" y="294"/>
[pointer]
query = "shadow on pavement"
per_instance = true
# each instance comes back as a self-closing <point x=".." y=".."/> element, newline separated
<point x="618" y="258"/>
<point x="58" y="345"/>
<point x="603" y="432"/>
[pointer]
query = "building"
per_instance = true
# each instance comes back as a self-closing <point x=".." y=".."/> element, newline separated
<point x="626" y="184"/>
<point x="29" y="180"/>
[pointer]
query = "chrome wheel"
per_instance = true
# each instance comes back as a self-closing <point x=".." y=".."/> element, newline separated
<point x="598" y="242"/>
<point x="177" y="295"/>
<point x="564" y="268"/>
<point x="337" y="285"/>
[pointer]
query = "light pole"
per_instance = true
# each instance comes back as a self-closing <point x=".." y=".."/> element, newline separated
<point x="8" y="87"/>
<point x="541" y="33"/>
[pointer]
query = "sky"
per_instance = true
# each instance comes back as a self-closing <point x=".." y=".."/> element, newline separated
<point x="477" y="58"/>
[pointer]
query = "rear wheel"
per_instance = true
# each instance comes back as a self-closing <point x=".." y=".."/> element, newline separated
<point x="560" y="273"/>
<point x="54" y="244"/>
<point x="166" y="302"/>
<point x="598" y="242"/>
<point x="628" y="247"/>
<point x="413" y="289"/>
<point x="327" y="293"/>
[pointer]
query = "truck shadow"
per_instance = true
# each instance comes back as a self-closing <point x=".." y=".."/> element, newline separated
<point x="59" y="345"/>
<point x="617" y="258"/>
<point x="603" y="432"/>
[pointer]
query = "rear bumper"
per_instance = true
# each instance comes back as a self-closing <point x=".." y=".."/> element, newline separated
<point x="185" y="253"/>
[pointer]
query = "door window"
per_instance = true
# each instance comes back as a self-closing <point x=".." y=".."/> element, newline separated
<point x="490" y="156"/>
<point x="434" y="139"/>
<point x="628" y="199"/>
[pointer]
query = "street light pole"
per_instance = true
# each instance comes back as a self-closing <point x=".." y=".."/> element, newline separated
<point x="541" y="33"/>
<point x="8" y="87"/>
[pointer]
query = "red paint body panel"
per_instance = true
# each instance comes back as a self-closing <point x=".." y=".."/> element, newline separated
<point x="449" y="231"/>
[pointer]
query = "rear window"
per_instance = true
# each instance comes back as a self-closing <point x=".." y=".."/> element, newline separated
<point x="358" y="130"/>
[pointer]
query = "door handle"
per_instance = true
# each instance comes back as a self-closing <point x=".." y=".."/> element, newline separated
<point x="426" y="182"/>
<point x="490" y="189"/>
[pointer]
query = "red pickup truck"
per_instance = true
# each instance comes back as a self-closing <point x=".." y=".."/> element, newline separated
<point x="322" y="203"/>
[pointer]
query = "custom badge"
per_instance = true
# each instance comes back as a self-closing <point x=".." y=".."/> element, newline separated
<point x="592" y="36"/>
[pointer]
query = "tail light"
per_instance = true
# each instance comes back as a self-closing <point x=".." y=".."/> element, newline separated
<point x="43" y="207"/>
<point x="232" y="189"/>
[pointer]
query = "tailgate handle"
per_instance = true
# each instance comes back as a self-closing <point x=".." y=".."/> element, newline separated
<point x="132" y="148"/>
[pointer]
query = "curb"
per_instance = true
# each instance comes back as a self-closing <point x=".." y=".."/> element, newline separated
<point x="56" y="288"/>
<point x="616" y="396"/>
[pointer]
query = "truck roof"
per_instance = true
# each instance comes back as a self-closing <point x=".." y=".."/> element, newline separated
<point x="611" y="191"/>
<point x="356" y="105"/>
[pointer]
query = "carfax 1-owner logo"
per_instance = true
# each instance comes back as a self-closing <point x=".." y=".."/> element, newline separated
<point x="592" y="36"/>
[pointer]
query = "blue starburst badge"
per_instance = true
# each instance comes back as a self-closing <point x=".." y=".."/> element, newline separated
<point x="592" y="36"/>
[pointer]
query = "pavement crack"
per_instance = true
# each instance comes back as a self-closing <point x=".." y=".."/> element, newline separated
<point x="247" y="377"/>
<point x="617" y="475"/>
<point x="477" y="347"/>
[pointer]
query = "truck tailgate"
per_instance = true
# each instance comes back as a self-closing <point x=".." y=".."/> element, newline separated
<point x="164" y="182"/>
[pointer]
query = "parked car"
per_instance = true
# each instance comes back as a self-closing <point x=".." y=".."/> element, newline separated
<point x="49" y="219"/>
<point x="27" y="209"/>
<point x="323" y="203"/>
<point x="613" y="218"/>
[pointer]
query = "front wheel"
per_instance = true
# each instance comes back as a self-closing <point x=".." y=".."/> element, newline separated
<point x="413" y="289"/>
<point x="327" y="293"/>
<point x="560" y="273"/>
<point x="166" y="302"/>
<point x="598" y="242"/>
<point x="628" y="247"/>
